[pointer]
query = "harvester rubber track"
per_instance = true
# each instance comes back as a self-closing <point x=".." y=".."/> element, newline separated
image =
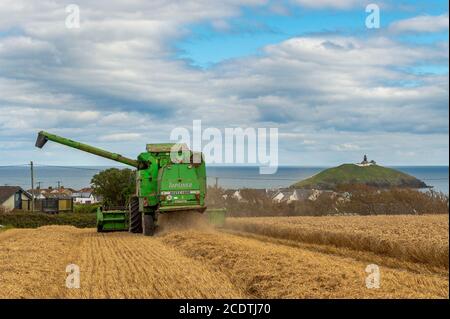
<point x="135" y="216"/>
<point x="149" y="225"/>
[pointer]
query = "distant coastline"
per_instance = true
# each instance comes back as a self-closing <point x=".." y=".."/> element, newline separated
<point x="227" y="176"/>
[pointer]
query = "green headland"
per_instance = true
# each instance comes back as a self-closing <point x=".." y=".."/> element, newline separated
<point x="364" y="173"/>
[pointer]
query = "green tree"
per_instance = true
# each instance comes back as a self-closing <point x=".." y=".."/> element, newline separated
<point x="114" y="185"/>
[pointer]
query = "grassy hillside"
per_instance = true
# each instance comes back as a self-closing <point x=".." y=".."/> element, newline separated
<point x="349" y="174"/>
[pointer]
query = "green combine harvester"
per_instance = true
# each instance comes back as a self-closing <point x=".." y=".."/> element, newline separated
<point x="170" y="178"/>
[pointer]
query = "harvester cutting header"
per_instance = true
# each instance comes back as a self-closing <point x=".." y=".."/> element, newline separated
<point x="170" y="178"/>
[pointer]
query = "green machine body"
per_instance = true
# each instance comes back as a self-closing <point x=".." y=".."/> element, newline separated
<point x="169" y="178"/>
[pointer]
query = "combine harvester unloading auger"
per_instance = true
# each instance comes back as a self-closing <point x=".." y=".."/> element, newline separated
<point x="170" y="178"/>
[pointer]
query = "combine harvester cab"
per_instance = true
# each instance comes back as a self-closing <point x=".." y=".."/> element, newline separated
<point x="169" y="178"/>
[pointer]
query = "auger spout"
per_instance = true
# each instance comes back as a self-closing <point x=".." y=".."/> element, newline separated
<point x="43" y="137"/>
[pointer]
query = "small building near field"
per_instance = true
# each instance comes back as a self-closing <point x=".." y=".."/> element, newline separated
<point x="53" y="200"/>
<point x="14" y="197"/>
<point x="56" y="203"/>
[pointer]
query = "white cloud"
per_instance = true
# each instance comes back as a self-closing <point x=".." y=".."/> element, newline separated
<point x="116" y="79"/>
<point x="221" y="25"/>
<point x="335" y="4"/>
<point x="120" y="137"/>
<point x="345" y="147"/>
<point x="424" y="23"/>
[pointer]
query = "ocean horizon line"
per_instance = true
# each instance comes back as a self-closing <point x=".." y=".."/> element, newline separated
<point x="228" y="166"/>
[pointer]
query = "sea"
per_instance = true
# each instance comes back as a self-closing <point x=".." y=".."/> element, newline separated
<point x="230" y="177"/>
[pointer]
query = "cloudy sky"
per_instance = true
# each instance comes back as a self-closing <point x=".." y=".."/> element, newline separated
<point x="136" y="69"/>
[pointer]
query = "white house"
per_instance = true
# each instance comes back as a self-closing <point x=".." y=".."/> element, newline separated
<point x="315" y="195"/>
<point x="293" y="197"/>
<point x="290" y="195"/>
<point x="237" y="195"/>
<point x="38" y="193"/>
<point x="278" y="197"/>
<point x="85" y="196"/>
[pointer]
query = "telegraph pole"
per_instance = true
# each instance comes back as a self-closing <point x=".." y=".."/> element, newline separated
<point x="32" y="186"/>
<point x="217" y="182"/>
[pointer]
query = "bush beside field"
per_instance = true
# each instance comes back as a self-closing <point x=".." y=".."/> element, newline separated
<point x="361" y="200"/>
<point x="20" y="219"/>
<point x="85" y="208"/>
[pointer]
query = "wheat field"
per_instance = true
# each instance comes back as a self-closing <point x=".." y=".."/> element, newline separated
<point x="423" y="239"/>
<point x="245" y="260"/>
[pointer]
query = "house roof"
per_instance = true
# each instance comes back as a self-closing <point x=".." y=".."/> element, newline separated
<point x="35" y="191"/>
<point x="7" y="191"/>
<point x="302" y="194"/>
<point x="230" y="191"/>
<point x="52" y="192"/>
<point x="82" y="195"/>
<point x="57" y="195"/>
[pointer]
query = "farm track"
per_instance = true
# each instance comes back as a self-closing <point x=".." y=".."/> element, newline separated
<point x="112" y="265"/>
<point x="123" y="265"/>
<point x="195" y="264"/>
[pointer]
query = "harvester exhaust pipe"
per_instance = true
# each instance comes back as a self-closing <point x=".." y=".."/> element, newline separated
<point x="41" y="140"/>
